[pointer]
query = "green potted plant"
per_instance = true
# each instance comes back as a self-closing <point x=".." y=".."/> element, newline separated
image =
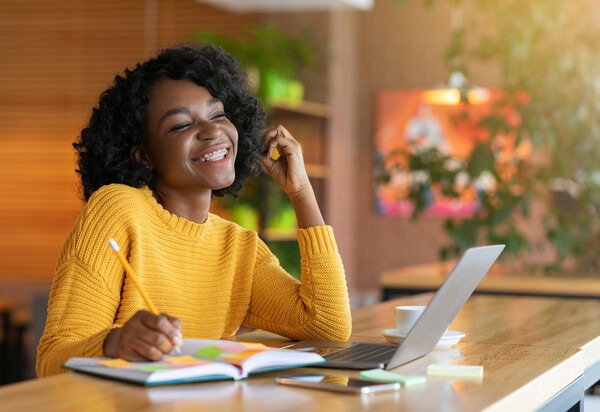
<point x="273" y="59"/>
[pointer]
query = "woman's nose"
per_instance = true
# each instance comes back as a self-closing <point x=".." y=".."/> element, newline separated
<point x="208" y="130"/>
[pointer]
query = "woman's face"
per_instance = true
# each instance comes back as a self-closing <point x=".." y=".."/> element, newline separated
<point x="190" y="143"/>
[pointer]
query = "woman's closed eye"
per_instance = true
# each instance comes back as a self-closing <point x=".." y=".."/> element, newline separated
<point x="184" y="125"/>
<point x="181" y="126"/>
<point x="219" y="116"/>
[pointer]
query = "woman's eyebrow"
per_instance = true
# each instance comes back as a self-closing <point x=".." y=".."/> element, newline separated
<point x="174" y="111"/>
<point x="212" y="101"/>
<point x="186" y="110"/>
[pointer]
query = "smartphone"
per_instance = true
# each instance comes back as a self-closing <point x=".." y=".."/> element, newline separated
<point x="338" y="383"/>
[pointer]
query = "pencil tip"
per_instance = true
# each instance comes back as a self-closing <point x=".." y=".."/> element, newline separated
<point x="113" y="244"/>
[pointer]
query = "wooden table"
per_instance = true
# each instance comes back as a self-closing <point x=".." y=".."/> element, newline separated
<point x="428" y="277"/>
<point x="536" y="353"/>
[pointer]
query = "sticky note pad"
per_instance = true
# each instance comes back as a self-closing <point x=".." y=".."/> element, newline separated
<point x="381" y="375"/>
<point x="116" y="363"/>
<point x="254" y="345"/>
<point x="241" y="356"/>
<point x="211" y="352"/>
<point x="185" y="360"/>
<point x="456" y="371"/>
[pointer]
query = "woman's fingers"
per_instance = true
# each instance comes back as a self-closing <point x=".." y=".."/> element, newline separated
<point x="147" y="336"/>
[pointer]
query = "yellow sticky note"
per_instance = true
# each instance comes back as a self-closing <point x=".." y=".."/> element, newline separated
<point x="116" y="363"/>
<point x="254" y="345"/>
<point x="239" y="357"/>
<point x="184" y="360"/>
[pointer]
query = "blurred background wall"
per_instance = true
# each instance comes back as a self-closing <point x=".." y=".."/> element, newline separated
<point x="58" y="56"/>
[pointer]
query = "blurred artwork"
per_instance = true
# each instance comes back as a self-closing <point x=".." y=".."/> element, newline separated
<point x="423" y="156"/>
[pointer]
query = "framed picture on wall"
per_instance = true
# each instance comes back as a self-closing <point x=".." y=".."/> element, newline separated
<point x="421" y="151"/>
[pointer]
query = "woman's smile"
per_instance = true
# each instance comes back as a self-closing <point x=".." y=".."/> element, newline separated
<point x="212" y="155"/>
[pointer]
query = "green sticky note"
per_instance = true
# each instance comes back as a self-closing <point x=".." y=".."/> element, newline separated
<point x="211" y="352"/>
<point x="380" y="375"/>
<point x="153" y="368"/>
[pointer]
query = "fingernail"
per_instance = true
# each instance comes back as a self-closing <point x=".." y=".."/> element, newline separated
<point x="177" y="340"/>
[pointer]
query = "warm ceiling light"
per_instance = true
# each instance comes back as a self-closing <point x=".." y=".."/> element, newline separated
<point x="287" y="5"/>
<point x="455" y="92"/>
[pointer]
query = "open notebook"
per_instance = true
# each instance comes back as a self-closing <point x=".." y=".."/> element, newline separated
<point x="427" y="331"/>
<point x="201" y="360"/>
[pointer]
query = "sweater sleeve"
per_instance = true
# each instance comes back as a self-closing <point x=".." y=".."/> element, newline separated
<point x="315" y="308"/>
<point x="70" y="330"/>
<point x="85" y="293"/>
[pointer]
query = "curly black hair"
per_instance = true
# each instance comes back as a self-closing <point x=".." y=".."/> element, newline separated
<point x="118" y="122"/>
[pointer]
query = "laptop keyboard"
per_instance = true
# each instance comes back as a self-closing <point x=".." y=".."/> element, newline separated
<point x="361" y="352"/>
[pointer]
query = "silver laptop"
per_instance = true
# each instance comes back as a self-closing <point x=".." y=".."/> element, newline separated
<point x="426" y="332"/>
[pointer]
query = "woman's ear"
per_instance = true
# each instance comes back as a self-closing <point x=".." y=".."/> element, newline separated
<point x="140" y="157"/>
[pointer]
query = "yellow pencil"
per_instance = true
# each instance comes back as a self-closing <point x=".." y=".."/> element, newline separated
<point x="134" y="279"/>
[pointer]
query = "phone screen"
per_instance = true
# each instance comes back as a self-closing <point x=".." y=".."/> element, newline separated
<point x="338" y="383"/>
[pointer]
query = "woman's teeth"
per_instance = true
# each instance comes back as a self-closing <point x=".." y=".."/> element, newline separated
<point x="214" y="156"/>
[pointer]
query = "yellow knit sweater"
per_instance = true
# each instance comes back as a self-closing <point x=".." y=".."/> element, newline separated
<point x="214" y="276"/>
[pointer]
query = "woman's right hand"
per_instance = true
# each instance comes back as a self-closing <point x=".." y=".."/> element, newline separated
<point x="145" y="336"/>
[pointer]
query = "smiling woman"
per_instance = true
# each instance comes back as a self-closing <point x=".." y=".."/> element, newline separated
<point x="165" y="138"/>
<point x="190" y="144"/>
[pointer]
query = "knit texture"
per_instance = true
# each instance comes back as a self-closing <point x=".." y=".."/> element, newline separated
<point x="214" y="276"/>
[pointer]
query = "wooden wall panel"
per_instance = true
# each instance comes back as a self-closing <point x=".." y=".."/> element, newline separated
<point x="57" y="57"/>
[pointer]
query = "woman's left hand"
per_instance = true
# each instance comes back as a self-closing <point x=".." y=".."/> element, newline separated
<point x="283" y="160"/>
<point x="287" y="168"/>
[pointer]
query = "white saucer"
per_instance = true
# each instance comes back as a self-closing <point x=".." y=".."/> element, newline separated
<point x="451" y="337"/>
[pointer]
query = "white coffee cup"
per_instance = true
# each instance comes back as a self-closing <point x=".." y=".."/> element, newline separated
<point x="406" y="316"/>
